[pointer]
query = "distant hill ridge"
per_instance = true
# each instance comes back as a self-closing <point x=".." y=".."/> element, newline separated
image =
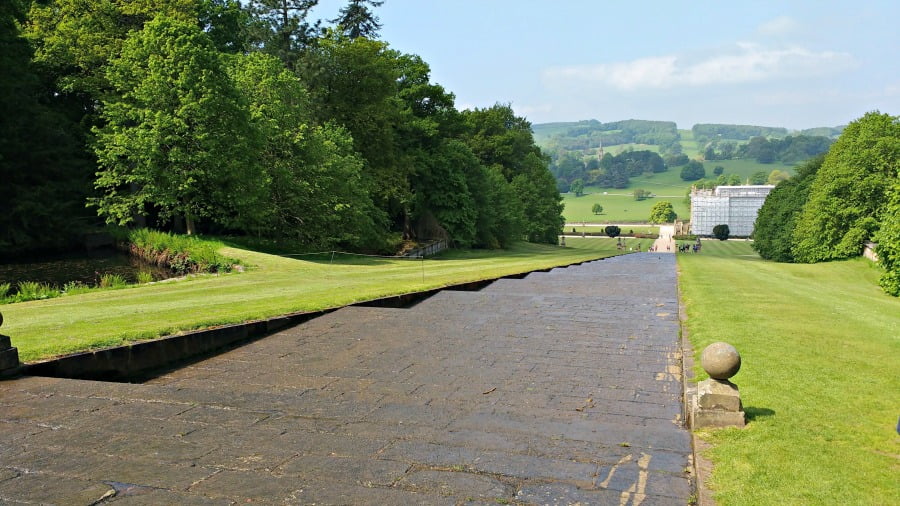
<point x="664" y="132"/>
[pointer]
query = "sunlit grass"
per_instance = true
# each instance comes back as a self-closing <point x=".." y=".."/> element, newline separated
<point x="273" y="286"/>
<point x="821" y="354"/>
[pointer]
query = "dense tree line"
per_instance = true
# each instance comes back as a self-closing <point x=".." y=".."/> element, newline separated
<point x="214" y="116"/>
<point x="789" y="150"/>
<point x="837" y="203"/>
<point x="591" y="134"/>
<point x="704" y="132"/>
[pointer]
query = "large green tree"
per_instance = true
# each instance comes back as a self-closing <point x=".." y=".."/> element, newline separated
<point x="354" y="82"/>
<point x="504" y="142"/>
<point x="662" y="212"/>
<point x="177" y="137"/>
<point x="849" y="196"/>
<point x="774" y="228"/>
<point x="888" y="238"/>
<point x="315" y="189"/>
<point x="44" y="175"/>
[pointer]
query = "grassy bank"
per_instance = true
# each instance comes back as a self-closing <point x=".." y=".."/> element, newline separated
<point x="821" y="353"/>
<point x="274" y="285"/>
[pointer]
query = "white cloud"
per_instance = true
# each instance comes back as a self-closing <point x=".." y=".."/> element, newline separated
<point x="744" y="63"/>
<point x="781" y="25"/>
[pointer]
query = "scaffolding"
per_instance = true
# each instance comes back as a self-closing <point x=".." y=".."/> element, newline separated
<point x="735" y="206"/>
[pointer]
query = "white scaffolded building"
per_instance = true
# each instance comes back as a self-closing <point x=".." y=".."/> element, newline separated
<point x="735" y="206"/>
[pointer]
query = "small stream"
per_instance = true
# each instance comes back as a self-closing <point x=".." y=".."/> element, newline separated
<point x="83" y="267"/>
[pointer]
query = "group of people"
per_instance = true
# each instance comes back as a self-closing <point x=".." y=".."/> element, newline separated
<point x="686" y="248"/>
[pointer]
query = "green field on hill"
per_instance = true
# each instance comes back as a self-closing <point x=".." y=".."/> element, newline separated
<point x="273" y="286"/>
<point x="619" y="204"/>
<point x="618" y="207"/>
<point x="820" y="348"/>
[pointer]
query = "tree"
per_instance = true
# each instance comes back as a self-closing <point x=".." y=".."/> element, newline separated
<point x="577" y="187"/>
<point x="774" y="228"/>
<point x="355" y="84"/>
<point x="44" y="173"/>
<point x="721" y="232"/>
<point x="177" y="137"/>
<point x="612" y="231"/>
<point x="597" y="208"/>
<point x="718" y="170"/>
<point x="849" y="196"/>
<point x="357" y="20"/>
<point x="542" y="204"/>
<point x="693" y="171"/>
<point x="759" y="177"/>
<point x="888" y="238"/>
<point x="641" y="194"/>
<point x="662" y="212"/>
<point x="317" y="193"/>
<point x="286" y="32"/>
<point x="777" y="176"/>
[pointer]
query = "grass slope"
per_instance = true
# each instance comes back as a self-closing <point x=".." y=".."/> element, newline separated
<point x="821" y="354"/>
<point x="275" y="285"/>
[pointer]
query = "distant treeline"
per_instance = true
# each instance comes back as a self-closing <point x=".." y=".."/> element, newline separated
<point x="613" y="171"/>
<point x="592" y="134"/>
<point x="788" y="150"/>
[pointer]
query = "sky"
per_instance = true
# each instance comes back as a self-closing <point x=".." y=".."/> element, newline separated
<point x="788" y="63"/>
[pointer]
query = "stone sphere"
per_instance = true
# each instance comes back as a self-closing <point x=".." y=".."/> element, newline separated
<point x="1" y="319"/>
<point x="720" y="360"/>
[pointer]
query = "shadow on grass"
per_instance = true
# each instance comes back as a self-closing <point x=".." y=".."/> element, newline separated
<point x="754" y="413"/>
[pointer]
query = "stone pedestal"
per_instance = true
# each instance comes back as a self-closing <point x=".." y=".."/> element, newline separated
<point x="9" y="356"/>
<point x="717" y="404"/>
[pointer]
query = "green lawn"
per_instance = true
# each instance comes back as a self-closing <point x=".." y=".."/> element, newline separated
<point x="274" y="286"/>
<point x="618" y="207"/>
<point x="821" y="353"/>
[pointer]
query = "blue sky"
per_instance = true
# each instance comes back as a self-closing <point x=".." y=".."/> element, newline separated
<point x="797" y="64"/>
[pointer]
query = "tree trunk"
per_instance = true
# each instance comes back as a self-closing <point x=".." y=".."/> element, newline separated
<point x="190" y="225"/>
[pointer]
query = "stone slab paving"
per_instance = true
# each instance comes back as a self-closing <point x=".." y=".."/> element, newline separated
<point x="560" y="388"/>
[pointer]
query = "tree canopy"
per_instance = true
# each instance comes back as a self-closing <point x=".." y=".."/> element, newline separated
<point x="662" y="212"/>
<point x="250" y="118"/>
<point x="847" y="200"/>
<point x="837" y="203"/>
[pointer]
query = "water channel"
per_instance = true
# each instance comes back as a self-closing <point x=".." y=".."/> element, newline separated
<point x="86" y="268"/>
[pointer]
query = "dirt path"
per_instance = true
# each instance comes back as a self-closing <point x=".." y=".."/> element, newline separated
<point x="665" y="243"/>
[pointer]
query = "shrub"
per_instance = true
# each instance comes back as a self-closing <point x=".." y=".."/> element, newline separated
<point x="32" y="290"/>
<point x="112" y="281"/>
<point x="612" y="231"/>
<point x="144" y="277"/>
<point x="4" y="289"/>
<point x="721" y="232"/>
<point x="75" y="287"/>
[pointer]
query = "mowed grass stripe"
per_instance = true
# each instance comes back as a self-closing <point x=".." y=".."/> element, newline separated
<point x="821" y="350"/>
<point x="273" y="286"/>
